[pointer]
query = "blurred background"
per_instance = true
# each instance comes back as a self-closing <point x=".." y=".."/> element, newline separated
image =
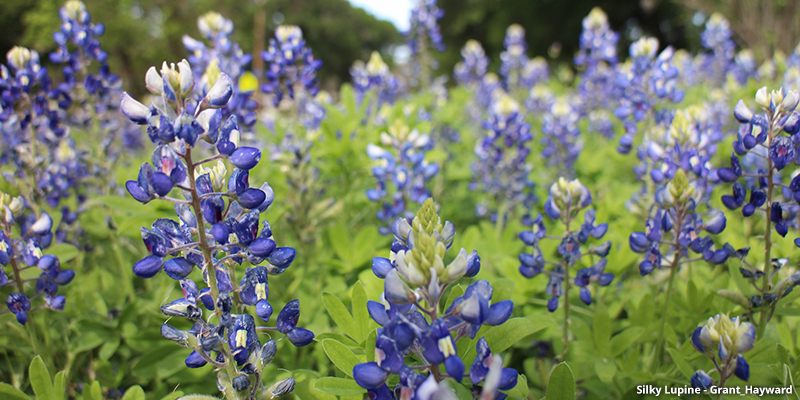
<point x="141" y="33"/>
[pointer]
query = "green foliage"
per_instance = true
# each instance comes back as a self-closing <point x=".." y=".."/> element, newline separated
<point x="561" y="385"/>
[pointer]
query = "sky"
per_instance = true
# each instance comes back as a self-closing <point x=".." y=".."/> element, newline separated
<point x="394" y="11"/>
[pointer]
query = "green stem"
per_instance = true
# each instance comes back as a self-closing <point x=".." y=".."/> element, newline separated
<point x="659" y="350"/>
<point x="762" y="317"/>
<point x="211" y="269"/>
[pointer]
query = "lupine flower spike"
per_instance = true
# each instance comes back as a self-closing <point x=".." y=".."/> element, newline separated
<point x="216" y="231"/>
<point x="412" y="319"/>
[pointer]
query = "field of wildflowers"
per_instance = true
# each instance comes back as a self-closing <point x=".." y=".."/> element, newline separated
<point x="461" y="234"/>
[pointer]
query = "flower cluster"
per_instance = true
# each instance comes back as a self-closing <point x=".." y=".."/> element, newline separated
<point x="90" y="97"/>
<point x="374" y="77"/>
<point x="676" y="217"/>
<point x="565" y="201"/>
<point x="598" y="43"/>
<point x="649" y="81"/>
<point x="723" y="340"/>
<point x="535" y="71"/>
<point x="513" y="58"/>
<point x="47" y="166"/>
<point x="689" y="144"/>
<point x="424" y="30"/>
<point x="213" y="235"/>
<point x="718" y="39"/>
<point x="222" y="55"/>
<point x="501" y="170"/>
<point x="23" y="235"/>
<point x="471" y="70"/>
<point x="597" y="56"/>
<point x="561" y="137"/>
<point x="412" y="321"/>
<point x="767" y="145"/>
<point x="401" y="173"/>
<point x="292" y="71"/>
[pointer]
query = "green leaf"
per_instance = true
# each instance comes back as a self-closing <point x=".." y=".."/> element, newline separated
<point x="601" y="330"/>
<point x="109" y="348"/>
<point x="512" y="331"/>
<point x="173" y="396"/>
<point x="339" y="313"/>
<point x="59" y="385"/>
<point x="369" y="345"/>
<point x="64" y="252"/>
<point x="11" y="393"/>
<point x="341" y="355"/>
<point x="624" y="340"/>
<point x="360" y="314"/>
<point x="338" y="386"/>
<point x="198" y="397"/>
<point x="520" y="391"/>
<point x="681" y="363"/>
<point x="94" y="392"/>
<point x="561" y="384"/>
<point x="605" y="369"/>
<point x="134" y="393"/>
<point x="40" y="380"/>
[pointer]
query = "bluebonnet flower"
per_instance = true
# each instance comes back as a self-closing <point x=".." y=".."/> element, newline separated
<point x="223" y="55"/>
<point x="501" y="170"/>
<point x="596" y="58"/>
<point x="767" y="144"/>
<point x="401" y="173"/>
<point x="471" y="70"/>
<point x="45" y="163"/>
<point x="217" y="229"/>
<point x="598" y="43"/>
<point x="744" y="66"/>
<point x="423" y="27"/>
<point x="89" y="98"/>
<point x="676" y="218"/>
<point x="649" y="81"/>
<point x="411" y="319"/>
<point x="422" y="35"/>
<point x="534" y="72"/>
<point x="689" y="144"/>
<point x="561" y="137"/>
<point x="291" y="71"/>
<point x="566" y="199"/>
<point x="514" y="57"/>
<point x="723" y="340"/>
<point x="374" y="77"/>
<point x="718" y="39"/>
<point x="540" y="99"/>
<point x="23" y="236"/>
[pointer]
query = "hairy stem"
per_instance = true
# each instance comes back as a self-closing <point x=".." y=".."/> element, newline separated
<point x="211" y="270"/>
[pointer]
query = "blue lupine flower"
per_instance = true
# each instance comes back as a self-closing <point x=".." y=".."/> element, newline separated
<point x="218" y="225"/>
<point x="36" y="235"/>
<point x="513" y="58"/>
<point x="291" y="72"/>
<point x="404" y="328"/>
<point x="374" y="77"/>
<point x="649" y="81"/>
<point x="718" y="38"/>
<point x="222" y="55"/>
<point x="723" y="340"/>
<point x="471" y="70"/>
<point x="401" y="172"/>
<point x="566" y="199"/>
<point x="561" y="137"/>
<point x="502" y="171"/>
